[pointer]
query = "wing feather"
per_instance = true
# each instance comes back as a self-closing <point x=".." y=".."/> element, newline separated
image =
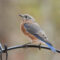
<point x="35" y="29"/>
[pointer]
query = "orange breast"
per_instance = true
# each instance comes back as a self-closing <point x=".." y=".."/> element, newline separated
<point x="27" y="33"/>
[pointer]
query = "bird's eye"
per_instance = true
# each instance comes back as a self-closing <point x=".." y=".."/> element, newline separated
<point x="25" y="16"/>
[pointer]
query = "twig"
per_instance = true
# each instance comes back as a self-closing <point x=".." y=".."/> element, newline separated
<point x="1" y="51"/>
<point x="5" y="46"/>
<point x="27" y="46"/>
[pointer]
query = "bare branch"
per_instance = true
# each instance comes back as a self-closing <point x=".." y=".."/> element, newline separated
<point x="27" y="46"/>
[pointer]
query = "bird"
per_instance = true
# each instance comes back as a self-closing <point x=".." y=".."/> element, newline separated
<point x="33" y="30"/>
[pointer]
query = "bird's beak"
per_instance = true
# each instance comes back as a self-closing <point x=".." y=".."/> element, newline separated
<point x="21" y="15"/>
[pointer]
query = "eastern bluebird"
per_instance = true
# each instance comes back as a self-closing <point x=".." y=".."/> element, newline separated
<point x="33" y="30"/>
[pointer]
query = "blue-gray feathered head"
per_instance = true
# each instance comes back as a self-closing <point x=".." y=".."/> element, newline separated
<point x="27" y="17"/>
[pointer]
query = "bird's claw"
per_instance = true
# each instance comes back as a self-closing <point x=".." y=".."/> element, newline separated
<point x="27" y="44"/>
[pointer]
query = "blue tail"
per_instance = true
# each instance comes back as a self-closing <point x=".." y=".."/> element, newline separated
<point x="49" y="44"/>
<point x="51" y="47"/>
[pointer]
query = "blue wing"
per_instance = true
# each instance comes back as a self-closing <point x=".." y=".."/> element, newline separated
<point x="35" y="30"/>
<point x="49" y="44"/>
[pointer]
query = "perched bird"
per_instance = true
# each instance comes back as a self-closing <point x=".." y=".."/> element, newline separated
<point x="31" y="29"/>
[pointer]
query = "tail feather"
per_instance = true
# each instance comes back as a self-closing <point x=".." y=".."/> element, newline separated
<point x="49" y="44"/>
<point x="51" y="47"/>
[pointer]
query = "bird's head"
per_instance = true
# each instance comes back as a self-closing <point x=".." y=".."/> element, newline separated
<point x="26" y="17"/>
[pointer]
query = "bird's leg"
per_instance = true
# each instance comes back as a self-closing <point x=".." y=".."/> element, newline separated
<point x="27" y="43"/>
<point x="37" y="42"/>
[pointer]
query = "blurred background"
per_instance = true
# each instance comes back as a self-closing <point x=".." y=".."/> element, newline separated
<point x="46" y="13"/>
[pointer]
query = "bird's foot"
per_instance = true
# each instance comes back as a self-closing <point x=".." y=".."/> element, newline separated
<point x="26" y="45"/>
